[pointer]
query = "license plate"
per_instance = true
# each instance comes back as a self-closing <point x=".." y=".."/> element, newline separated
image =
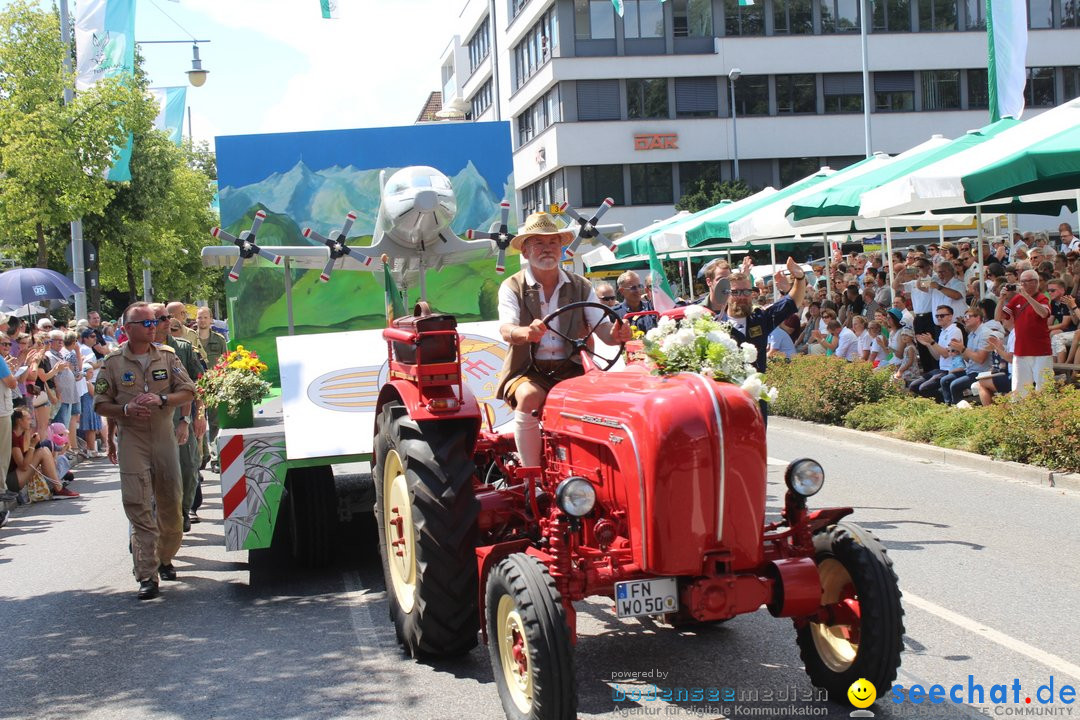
<point x="646" y="597"/>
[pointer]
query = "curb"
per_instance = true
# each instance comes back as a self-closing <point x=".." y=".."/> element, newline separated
<point x="956" y="458"/>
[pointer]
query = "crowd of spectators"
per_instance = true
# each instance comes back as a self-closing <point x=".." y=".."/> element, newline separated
<point x="936" y="329"/>
<point x="47" y="419"/>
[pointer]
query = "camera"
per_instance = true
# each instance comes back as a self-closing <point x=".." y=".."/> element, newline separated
<point x="1011" y="287"/>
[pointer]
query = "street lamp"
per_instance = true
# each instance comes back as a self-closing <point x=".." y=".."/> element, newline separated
<point x="733" y="75"/>
<point x="196" y="75"/>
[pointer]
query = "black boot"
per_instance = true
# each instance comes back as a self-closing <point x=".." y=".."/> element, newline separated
<point x="187" y="522"/>
<point x="148" y="589"/>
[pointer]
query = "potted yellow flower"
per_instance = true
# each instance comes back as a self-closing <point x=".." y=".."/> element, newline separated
<point x="234" y="385"/>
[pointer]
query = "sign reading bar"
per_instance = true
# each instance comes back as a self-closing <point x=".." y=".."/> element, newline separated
<point x="656" y="141"/>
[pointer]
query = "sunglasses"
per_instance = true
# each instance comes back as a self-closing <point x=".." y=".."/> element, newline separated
<point x="144" y="323"/>
<point x="163" y="318"/>
<point x="742" y="293"/>
<point x="631" y="287"/>
<point x="607" y="298"/>
<point x="943" y="315"/>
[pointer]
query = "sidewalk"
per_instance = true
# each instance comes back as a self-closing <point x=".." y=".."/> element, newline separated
<point x="877" y="442"/>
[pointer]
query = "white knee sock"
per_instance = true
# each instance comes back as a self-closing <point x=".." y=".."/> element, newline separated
<point x="527" y="436"/>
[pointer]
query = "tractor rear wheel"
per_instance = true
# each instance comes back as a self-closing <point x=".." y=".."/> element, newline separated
<point x="426" y="513"/>
<point x="862" y="593"/>
<point x="529" y="641"/>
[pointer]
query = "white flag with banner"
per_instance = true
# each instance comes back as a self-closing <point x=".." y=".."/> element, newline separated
<point x="329" y="9"/>
<point x="171" y="103"/>
<point x="1007" y="38"/>
<point x="662" y="297"/>
<point x="105" y="48"/>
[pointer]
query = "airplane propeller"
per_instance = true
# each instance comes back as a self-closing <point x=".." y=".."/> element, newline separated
<point x="246" y="244"/>
<point x="502" y="238"/>
<point x="587" y="228"/>
<point x="338" y="248"/>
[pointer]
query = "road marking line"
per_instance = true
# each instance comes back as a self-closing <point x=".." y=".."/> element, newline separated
<point x="1055" y="663"/>
<point x="370" y="637"/>
<point x="776" y="461"/>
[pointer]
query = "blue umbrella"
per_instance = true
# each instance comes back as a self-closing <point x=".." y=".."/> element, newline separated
<point x="26" y="285"/>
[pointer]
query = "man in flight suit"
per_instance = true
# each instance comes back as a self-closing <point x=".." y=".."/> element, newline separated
<point x="137" y="388"/>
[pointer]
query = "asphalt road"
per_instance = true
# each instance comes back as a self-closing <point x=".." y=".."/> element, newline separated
<point x="987" y="565"/>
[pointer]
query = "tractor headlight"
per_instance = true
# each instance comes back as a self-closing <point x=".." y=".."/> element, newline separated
<point x="804" y="477"/>
<point x="576" y="496"/>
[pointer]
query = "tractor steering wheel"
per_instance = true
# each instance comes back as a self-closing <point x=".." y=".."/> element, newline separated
<point x="581" y="344"/>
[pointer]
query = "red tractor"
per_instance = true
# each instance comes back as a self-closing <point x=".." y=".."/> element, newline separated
<point x="652" y="491"/>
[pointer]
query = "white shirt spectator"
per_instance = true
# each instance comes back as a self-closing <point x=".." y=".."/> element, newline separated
<point x="551" y="346"/>
<point x="865" y="343"/>
<point x="921" y="300"/>
<point x="948" y="334"/>
<point x="1018" y="245"/>
<point x="959" y="305"/>
<point x="847" y="345"/>
<point x="977" y="341"/>
<point x="878" y="349"/>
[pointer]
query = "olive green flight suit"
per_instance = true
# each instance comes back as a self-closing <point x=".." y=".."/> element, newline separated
<point x="190" y="455"/>
<point x="147" y="452"/>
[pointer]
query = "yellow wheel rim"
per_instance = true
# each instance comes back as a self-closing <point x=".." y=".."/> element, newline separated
<point x="514" y="654"/>
<point x="400" y="533"/>
<point x="837" y="645"/>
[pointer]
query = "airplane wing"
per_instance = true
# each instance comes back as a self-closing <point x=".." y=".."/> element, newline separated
<point x="302" y="256"/>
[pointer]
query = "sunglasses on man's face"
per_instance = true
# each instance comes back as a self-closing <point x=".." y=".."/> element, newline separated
<point x="144" y="323"/>
<point x="943" y="315"/>
<point x="607" y="298"/>
<point x="163" y="318"/>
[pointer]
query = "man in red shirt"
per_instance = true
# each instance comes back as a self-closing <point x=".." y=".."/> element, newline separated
<point x="1029" y="310"/>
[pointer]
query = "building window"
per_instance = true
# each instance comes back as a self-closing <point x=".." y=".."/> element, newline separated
<point x="650" y="184"/>
<point x="481" y="101"/>
<point x="792" y="169"/>
<point x="692" y="18"/>
<point x="594" y="20"/>
<point x="479" y="45"/>
<point x="517" y="6"/>
<point x="978" y="90"/>
<point x="696" y="97"/>
<point x="1039" y="91"/>
<point x="796" y="94"/>
<point x="752" y="95"/>
<point x="839" y="16"/>
<point x="535" y="47"/>
<point x="601" y="181"/>
<point x="1040" y="14"/>
<point x="843" y="92"/>
<point x="938" y="15"/>
<point x="538" y="116"/>
<point x="1072" y="81"/>
<point x="1069" y="12"/>
<point x="757" y="173"/>
<point x="894" y="91"/>
<point x="842" y="161"/>
<point x="975" y="14"/>
<point x="643" y="19"/>
<point x="598" y="99"/>
<point x="743" y="19"/>
<point x="646" y="98"/>
<point x="793" y="17"/>
<point x="540" y="195"/>
<point x="941" y="90"/>
<point x="691" y="173"/>
<point x="891" y="16"/>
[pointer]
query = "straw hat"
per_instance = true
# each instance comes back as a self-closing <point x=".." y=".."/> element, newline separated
<point x="540" y="224"/>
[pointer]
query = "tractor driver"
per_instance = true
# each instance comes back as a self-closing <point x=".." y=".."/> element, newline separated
<point x="540" y="288"/>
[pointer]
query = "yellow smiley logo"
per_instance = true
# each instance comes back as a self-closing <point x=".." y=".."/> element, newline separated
<point x="862" y="694"/>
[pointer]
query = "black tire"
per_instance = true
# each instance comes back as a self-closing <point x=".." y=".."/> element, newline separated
<point x="310" y="512"/>
<point x="433" y="601"/>
<point x="541" y="634"/>
<point x="831" y="661"/>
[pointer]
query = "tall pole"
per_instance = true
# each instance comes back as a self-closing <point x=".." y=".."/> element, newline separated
<point x="78" y="269"/>
<point x="865" y="24"/>
<point x="492" y="25"/>
<point x="734" y="127"/>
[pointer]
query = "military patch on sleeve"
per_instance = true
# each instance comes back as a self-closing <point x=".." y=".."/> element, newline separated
<point x="755" y="331"/>
<point x="177" y="369"/>
<point x="160" y="374"/>
<point x="128" y="378"/>
<point x="101" y="386"/>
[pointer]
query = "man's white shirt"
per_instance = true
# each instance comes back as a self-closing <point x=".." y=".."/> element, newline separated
<point x="551" y="346"/>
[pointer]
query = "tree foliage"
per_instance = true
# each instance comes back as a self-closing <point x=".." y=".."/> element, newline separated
<point x="54" y="156"/>
<point x="706" y="193"/>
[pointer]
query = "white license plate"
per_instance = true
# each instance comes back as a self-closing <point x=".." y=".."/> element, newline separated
<point x="646" y="597"/>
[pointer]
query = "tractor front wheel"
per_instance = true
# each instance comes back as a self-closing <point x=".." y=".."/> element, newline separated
<point x="426" y="512"/>
<point x="863" y="635"/>
<point x="529" y="641"/>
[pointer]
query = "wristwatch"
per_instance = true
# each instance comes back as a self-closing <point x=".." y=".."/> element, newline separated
<point x="164" y="399"/>
<point x="185" y="418"/>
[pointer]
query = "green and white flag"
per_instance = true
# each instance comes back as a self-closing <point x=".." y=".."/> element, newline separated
<point x="745" y="3"/>
<point x="618" y="7"/>
<point x="105" y="48"/>
<point x="1007" y="37"/>
<point x="329" y="9"/>
<point x="662" y="297"/>
<point x="171" y="104"/>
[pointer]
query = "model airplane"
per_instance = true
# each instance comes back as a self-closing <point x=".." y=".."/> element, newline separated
<point x="245" y="245"/>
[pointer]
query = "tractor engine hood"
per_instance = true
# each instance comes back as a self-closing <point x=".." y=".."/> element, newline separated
<point x="683" y="456"/>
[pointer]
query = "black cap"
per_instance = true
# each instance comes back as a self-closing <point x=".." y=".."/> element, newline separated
<point x="87" y="332"/>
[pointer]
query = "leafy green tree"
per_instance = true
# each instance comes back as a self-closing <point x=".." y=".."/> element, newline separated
<point x="53" y="157"/>
<point x="706" y="193"/>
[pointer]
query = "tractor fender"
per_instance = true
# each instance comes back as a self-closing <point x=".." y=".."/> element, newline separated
<point x="409" y="395"/>
<point x="824" y="517"/>
<point x="487" y="557"/>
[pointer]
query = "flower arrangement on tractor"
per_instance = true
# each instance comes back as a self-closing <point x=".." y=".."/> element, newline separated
<point x="474" y="543"/>
<point x="234" y="381"/>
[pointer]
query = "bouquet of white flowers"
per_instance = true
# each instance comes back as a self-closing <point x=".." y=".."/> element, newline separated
<point x="700" y="344"/>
